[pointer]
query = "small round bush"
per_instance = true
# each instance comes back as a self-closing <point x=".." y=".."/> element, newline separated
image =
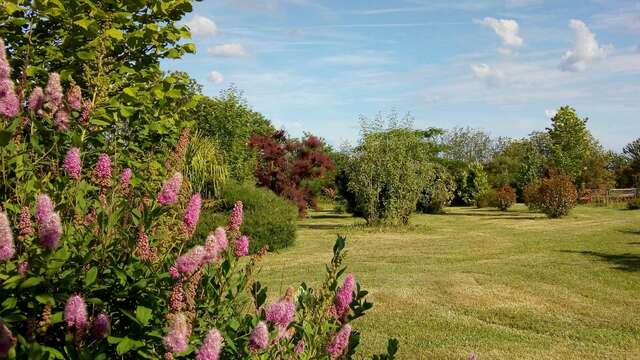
<point x="634" y="204"/>
<point x="531" y="195"/>
<point x="557" y="196"/>
<point x="268" y="218"/>
<point x="504" y="198"/>
<point x="438" y="193"/>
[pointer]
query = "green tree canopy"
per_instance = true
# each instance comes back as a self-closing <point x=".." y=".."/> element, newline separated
<point x="230" y="121"/>
<point x="570" y="142"/>
<point x="112" y="50"/>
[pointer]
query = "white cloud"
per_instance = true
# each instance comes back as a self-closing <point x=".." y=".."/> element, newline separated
<point x="550" y="113"/>
<point x="215" y="77"/>
<point x="491" y="76"/>
<point x="585" y="51"/>
<point x="507" y="30"/>
<point x="201" y="26"/>
<point x="228" y="50"/>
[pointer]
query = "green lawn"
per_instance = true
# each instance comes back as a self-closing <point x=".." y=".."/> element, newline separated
<point x="512" y="285"/>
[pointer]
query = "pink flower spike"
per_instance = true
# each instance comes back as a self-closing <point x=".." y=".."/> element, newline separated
<point x="74" y="98"/>
<point x="281" y="313"/>
<point x="340" y="342"/>
<point x="7" y="247"/>
<point x="125" y="178"/>
<point x="101" y="326"/>
<point x="61" y="120"/>
<point x="36" y="99"/>
<point x="7" y="340"/>
<point x="299" y="349"/>
<point x="73" y="163"/>
<point x="75" y="313"/>
<point x="53" y="91"/>
<point x="211" y="346"/>
<point x="5" y="68"/>
<point x="259" y="339"/>
<point x="344" y="295"/>
<point x="103" y="167"/>
<point x="191" y="261"/>
<point x="50" y="231"/>
<point x="177" y="340"/>
<point x="242" y="246"/>
<point x="192" y="215"/>
<point x="9" y="102"/>
<point x="170" y="190"/>
<point x="237" y="215"/>
<point x="25" y="226"/>
<point x="44" y="207"/>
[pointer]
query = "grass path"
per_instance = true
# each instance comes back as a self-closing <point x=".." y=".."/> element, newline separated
<point x="511" y="285"/>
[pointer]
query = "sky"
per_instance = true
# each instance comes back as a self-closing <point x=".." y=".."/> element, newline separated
<point x="503" y="66"/>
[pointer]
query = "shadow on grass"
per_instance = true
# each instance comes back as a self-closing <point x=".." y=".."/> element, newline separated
<point x="632" y="232"/>
<point x="322" y="226"/>
<point x="329" y="216"/>
<point x="625" y="262"/>
<point x="497" y="215"/>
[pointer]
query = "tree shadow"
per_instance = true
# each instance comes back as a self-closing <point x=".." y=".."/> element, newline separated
<point x="523" y="217"/>
<point x="322" y="226"/>
<point x="632" y="232"/>
<point x="625" y="262"/>
<point x="329" y="216"/>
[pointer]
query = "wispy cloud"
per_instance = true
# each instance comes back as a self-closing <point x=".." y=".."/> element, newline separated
<point x="228" y="50"/>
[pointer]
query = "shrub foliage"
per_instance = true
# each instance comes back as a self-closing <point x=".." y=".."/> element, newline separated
<point x="555" y="195"/>
<point x="503" y="198"/>
<point x="288" y="167"/>
<point x="268" y="218"/>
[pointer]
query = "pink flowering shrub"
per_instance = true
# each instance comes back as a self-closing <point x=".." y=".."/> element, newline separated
<point x="96" y="264"/>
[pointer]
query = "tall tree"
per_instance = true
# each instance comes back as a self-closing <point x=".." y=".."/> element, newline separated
<point x="570" y="142"/>
<point x="111" y="50"/>
<point x="231" y="122"/>
<point x="468" y="145"/>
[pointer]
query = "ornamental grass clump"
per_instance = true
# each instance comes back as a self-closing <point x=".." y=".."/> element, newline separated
<point x="95" y="265"/>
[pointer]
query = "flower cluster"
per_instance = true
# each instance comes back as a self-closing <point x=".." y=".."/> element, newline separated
<point x="192" y="215"/>
<point x="170" y="190"/>
<point x="236" y="217"/>
<point x="9" y="102"/>
<point x="73" y="163"/>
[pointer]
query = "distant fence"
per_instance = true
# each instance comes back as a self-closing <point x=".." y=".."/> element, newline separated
<point x="604" y="196"/>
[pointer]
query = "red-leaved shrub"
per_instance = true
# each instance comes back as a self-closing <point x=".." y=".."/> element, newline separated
<point x="289" y="167"/>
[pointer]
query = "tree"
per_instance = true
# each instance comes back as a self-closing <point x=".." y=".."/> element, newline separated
<point x="289" y="166"/>
<point x="468" y="145"/>
<point x="570" y="142"/>
<point x="389" y="169"/>
<point x="632" y="152"/>
<point x="230" y="121"/>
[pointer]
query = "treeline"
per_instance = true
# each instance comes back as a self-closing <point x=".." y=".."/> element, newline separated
<point x="396" y="169"/>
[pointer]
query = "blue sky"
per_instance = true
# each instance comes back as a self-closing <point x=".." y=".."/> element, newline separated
<point x="499" y="65"/>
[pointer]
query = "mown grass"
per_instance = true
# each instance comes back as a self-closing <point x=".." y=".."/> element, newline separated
<point x="505" y="285"/>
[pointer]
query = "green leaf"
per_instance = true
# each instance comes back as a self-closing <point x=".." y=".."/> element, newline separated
<point x="115" y="33"/>
<point x="85" y="23"/>
<point x="91" y="276"/>
<point x="46" y="299"/>
<point x="190" y="48"/>
<point x="143" y="315"/>
<point x="9" y="303"/>
<point x="31" y="282"/>
<point x="85" y="55"/>
<point x="127" y="345"/>
<point x="5" y="137"/>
